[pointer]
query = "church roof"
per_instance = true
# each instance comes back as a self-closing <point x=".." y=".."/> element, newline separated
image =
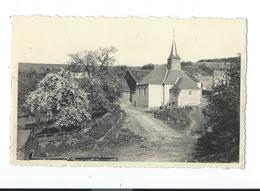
<point x="182" y="83"/>
<point x="155" y="77"/>
<point x="162" y="75"/>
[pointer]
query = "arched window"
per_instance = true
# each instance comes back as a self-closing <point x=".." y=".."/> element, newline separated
<point x="190" y="92"/>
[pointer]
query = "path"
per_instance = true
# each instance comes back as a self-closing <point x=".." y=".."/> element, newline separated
<point x="161" y="143"/>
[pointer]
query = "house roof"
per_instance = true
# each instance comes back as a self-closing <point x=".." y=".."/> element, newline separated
<point x="162" y="75"/>
<point x="192" y="77"/>
<point x="138" y="75"/>
<point x="194" y="70"/>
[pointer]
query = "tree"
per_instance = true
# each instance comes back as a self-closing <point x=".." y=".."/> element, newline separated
<point x="94" y="62"/>
<point x="102" y="83"/>
<point x="188" y="63"/>
<point x="27" y="82"/>
<point x="149" y="66"/>
<point x="58" y="99"/>
<point x="221" y="143"/>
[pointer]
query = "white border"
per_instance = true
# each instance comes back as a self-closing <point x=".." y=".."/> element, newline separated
<point x="18" y="176"/>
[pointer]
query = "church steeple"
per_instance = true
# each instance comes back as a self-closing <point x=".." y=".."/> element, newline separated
<point x="173" y="61"/>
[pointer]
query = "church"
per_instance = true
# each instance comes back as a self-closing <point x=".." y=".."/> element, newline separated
<point x="168" y="85"/>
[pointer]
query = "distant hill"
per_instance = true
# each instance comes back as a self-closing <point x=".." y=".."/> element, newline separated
<point x="229" y="59"/>
<point x="39" y="67"/>
<point x="43" y="67"/>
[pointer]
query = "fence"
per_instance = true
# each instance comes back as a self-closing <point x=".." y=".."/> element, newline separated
<point x="63" y="133"/>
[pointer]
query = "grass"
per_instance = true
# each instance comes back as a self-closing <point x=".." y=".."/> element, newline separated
<point x="104" y="139"/>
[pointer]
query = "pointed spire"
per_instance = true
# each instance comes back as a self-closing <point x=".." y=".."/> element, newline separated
<point x="173" y="53"/>
<point x="173" y="61"/>
<point x="176" y="54"/>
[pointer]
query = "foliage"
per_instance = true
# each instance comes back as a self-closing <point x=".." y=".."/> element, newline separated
<point x="102" y="83"/>
<point x="149" y="66"/>
<point x="94" y="62"/>
<point x="114" y="138"/>
<point x="27" y="81"/>
<point x="29" y="76"/>
<point x="58" y="99"/>
<point x="221" y="140"/>
<point x="177" y="117"/>
<point x="188" y="63"/>
<point x="231" y="59"/>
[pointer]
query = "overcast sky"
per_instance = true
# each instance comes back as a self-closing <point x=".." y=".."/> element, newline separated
<point x="139" y="41"/>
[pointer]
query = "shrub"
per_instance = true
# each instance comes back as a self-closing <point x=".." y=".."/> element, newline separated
<point x="177" y="117"/>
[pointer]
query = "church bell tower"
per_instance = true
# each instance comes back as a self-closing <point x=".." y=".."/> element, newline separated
<point x="174" y="61"/>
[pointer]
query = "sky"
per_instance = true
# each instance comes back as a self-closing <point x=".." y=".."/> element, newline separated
<point x="139" y="40"/>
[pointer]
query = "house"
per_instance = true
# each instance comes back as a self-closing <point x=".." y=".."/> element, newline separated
<point x="202" y="74"/>
<point x="125" y="98"/>
<point x="217" y="68"/>
<point x="219" y="75"/>
<point x="168" y="85"/>
<point x="132" y="77"/>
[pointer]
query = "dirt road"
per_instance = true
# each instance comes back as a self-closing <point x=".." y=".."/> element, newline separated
<point x="160" y="142"/>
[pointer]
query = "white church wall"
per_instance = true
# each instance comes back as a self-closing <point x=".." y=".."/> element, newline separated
<point x="189" y="98"/>
<point x="155" y="96"/>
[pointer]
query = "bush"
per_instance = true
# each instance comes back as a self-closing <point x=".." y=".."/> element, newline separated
<point x="177" y="117"/>
<point x="221" y="143"/>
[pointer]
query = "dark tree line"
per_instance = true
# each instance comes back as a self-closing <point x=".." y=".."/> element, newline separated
<point x="220" y="143"/>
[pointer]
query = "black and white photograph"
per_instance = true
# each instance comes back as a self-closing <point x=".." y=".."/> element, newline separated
<point x="129" y="91"/>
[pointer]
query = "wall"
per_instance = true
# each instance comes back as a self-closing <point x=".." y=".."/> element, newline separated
<point x="141" y="99"/>
<point x="155" y="96"/>
<point x="184" y="99"/>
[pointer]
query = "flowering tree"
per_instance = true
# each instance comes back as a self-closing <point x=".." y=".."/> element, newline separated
<point x="58" y="99"/>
